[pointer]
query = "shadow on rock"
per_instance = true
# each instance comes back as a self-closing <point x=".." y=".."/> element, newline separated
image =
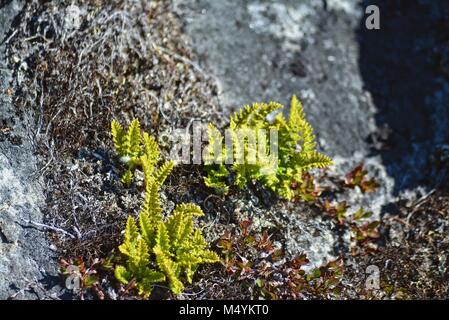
<point x="404" y="67"/>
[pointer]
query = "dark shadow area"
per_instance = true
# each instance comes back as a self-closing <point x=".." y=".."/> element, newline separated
<point x="404" y="67"/>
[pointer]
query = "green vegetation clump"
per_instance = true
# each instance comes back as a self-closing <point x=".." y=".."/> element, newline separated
<point x="295" y="145"/>
<point x="157" y="249"/>
<point x="128" y="146"/>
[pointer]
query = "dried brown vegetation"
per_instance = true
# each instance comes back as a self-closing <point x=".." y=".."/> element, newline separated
<point x="79" y="67"/>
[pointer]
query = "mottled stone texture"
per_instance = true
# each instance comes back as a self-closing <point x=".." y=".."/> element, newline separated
<point x="27" y="265"/>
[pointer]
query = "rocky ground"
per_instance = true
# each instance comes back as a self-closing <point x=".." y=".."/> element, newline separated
<point x="378" y="97"/>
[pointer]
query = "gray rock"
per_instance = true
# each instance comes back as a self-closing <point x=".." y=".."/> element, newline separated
<point x="371" y="95"/>
<point x="378" y="95"/>
<point x="263" y="51"/>
<point x="268" y="51"/>
<point x="28" y="268"/>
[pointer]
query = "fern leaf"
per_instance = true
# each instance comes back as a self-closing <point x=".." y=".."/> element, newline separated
<point x="216" y="182"/>
<point x="296" y="113"/>
<point x="131" y="235"/>
<point x="141" y="258"/>
<point x="189" y="272"/>
<point x="259" y="113"/>
<point x="174" y="224"/>
<point x="198" y="239"/>
<point x="189" y="208"/>
<point x="298" y="123"/>
<point x="214" y="151"/>
<point x="313" y="159"/>
<point x="284" y="190"/>
<point x="151" y="149"/>
<point x="179" y="228"/>
<point x="146" y="283"/>
<point x="240" y="117"/>
<point x="127" y="177"/>
<point x="152" y="276"/>
<point x="162" y="238"/>
<point x="133" y="139"/>
<point x="183" y="238"/>
<point x="151" y="155"/>
<point x="170" y="269"/>
<point x="117" y="137"/>
<point x="147" y="228"/>
<point x="151" y="204"/>
<point x="163" y="172"/>
<point x="131" y="232"/>
<point x="208" y="256"/>
<point x="122" y="274"/>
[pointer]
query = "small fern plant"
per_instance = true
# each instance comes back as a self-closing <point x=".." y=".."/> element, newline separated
<point x="295" y="144"/>
<point x="157" y="249"/>
<point x="127" y="144"/>
<point x="138" y="150"/>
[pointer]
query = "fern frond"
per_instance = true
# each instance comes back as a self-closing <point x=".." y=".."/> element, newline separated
<point x="159" y="249"/>
<point x="216" y="181"/>
<point x="141" y="257"/>
<point x="118" y="137"/>
<point x="179" y="227"/>
<point x="133" y="139"/>
<point x="147" y="227"/>
<point x="296" y="114"/>
<point x="198" y="239"/>
<point x="312" y="160"/>
<point x="151" y="204"/>
<point x="260" y="111"/>
<point x="122" y="274"/>
<point x="131" y="235"/>
<point x="163" y="172"/>
<point x="127" y="146"/>
<point x="175" y="224"/>
<point x="146" y="283"/>
<point x="170" y="269"/>
<point x="214" y="151"/>
<point x="189" y="208"/>
<point x="151" y="149"/>
<point x="162" y="238"/>
<point x="295" y="142"/>
<point x="152" y="277"/>
<point x="240" y="117"/>
<point x="208" y="256"/>
<point x="151" y="155"/>
<point x="298" y="123"/>
<point x="127" y="177"/>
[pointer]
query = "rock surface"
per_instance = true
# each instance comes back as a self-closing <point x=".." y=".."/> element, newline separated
<point x="27" y="264"/>
<point x="355" y="83"/>
<point x="268" y="51"/>
<point x="262" y="51"/>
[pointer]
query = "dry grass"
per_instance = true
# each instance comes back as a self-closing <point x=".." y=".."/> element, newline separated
<point x="78" y="67"/>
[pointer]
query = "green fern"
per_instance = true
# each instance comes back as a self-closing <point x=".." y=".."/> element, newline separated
<point x="217" y="171"/>
<point x="296" y="150"/>
<point x="127" y="144"/>
<point x="138" y="150"/>
<point x="128" y="147"/>
<point x="159" y="249"/>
